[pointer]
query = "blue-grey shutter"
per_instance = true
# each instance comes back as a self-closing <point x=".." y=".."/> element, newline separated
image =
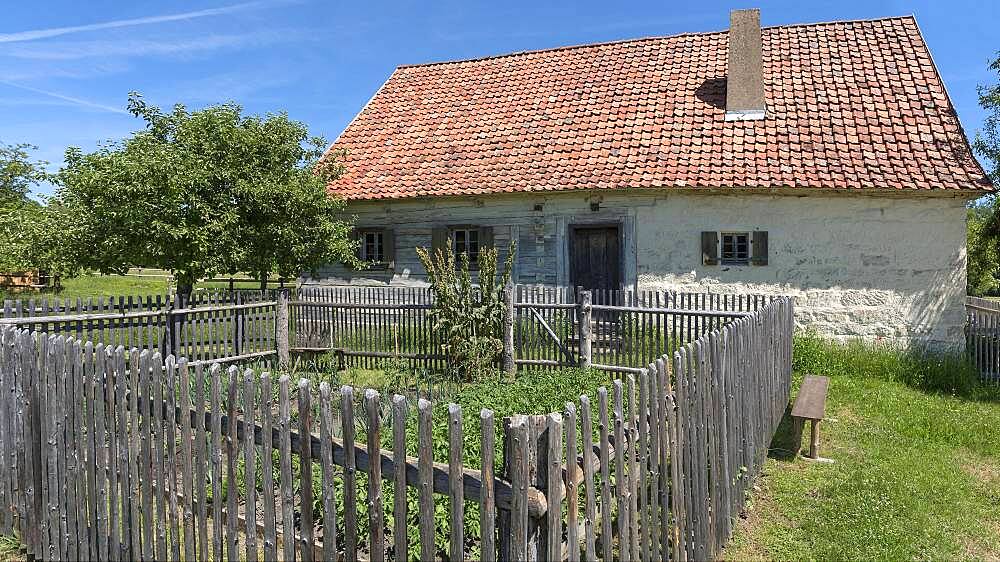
<point x="710" y="248"/>
<point x="389" y="248"/>
<point x="439" y="239"/>
<point x="485" y="237"/>
<point x="759" y="256"/>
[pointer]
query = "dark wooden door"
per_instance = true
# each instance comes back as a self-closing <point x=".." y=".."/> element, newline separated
<point x="595" y="257"/>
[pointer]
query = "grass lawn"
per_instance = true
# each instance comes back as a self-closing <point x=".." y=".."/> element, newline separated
<point x="917" y="471"/>
<point x="113" y="285"/>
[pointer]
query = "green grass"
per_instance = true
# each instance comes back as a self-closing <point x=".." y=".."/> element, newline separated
<point x="95" y="286"/>
<point x="917" y="474"/>
<point x="113" y="285"/>
<point x="11" y="549"/>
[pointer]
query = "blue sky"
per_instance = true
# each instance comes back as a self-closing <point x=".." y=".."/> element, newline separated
<point x="66" y="67"/>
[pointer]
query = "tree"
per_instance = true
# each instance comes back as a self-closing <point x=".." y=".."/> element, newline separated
<point x="984" y="216"/>
<point x="205" y="192"/>
<point x="987" y="142"/>
<point x="983" y="268"/>
<point x="18" y="172"/>
<point x="27" y="227"/>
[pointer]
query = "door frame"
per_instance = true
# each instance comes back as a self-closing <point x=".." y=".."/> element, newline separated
<point x="571" y="229"/>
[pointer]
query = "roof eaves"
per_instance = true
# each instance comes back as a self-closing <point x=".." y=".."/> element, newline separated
<point x="988" y="187"/>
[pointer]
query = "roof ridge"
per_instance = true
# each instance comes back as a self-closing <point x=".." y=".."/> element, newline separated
<point x="643" y="39"/>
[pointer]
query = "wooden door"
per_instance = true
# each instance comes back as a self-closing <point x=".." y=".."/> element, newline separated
<point x="595" y="257"/>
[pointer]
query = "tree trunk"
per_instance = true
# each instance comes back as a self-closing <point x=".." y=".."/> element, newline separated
<point x="263" y="281"/>
<point x="185" y="287"/>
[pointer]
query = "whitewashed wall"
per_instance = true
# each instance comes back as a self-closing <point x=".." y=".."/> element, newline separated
<point x="887" y="267"/>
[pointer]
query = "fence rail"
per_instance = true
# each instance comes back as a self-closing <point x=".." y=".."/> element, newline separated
<point x="107" y="454"/>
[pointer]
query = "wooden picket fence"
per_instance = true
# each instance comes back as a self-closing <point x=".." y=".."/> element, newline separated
<point x="983" y="336"/>
<point x="115" y="454"/>
<point x="340" y="327"/>
<point x="206" y="327"/>
<point x="555" y="327"/>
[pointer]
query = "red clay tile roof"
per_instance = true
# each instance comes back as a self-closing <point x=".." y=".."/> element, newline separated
<point x="850" y="105"/>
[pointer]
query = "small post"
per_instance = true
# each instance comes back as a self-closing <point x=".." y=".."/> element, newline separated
<point x="509" y="366"/>
<point x="586" y="317"/>
<point x="281" y="330"/>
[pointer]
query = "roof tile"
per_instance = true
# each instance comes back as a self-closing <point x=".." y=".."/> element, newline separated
<point x="850" y="105"/>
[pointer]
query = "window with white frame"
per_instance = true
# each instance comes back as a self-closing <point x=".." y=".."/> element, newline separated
<point x="372" y="246"/>
<point x="734" y="248"/>
<point x="466" y="240"/>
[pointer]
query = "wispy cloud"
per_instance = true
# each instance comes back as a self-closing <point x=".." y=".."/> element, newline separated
<point x="69" y="99"/>
<point x="73" y="50"/>
<point x="57" y="31"/>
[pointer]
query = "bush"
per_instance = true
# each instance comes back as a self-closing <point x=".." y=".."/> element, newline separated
<point x="921" y="368"/>
<point x="468" y="318"/>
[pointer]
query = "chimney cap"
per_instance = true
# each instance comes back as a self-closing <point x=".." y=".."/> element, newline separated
<point x="745" y="71"/>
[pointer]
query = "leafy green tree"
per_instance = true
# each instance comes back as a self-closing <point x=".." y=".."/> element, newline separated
<point x="18" y="172"/>
<point x="205" y="192"/>
<point x="983" y="263"/>
<point x="987" y="142"/>
<point x="468" y="317"/>
<point x="984" y="216"/>
<point x="27" y="227"/>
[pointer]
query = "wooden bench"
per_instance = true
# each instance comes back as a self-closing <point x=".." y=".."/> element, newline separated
<point x="810" y="405"/>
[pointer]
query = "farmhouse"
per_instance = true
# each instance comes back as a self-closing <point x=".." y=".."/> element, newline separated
<point x="822" y="161"/>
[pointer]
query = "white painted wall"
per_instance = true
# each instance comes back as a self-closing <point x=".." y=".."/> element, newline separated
<point x="887" y="267"/>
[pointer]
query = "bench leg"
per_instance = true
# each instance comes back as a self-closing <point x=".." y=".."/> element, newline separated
<point x="814" y="439"/>
<point x="797" y="424"/>
<point x="814" y="444"/>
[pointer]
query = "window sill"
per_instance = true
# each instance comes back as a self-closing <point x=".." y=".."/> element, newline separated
<point x="372" y="266"/>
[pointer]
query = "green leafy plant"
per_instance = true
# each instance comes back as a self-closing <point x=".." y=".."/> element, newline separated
<point x="468" y="317"/>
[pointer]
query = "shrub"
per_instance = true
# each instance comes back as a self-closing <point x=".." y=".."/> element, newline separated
<point x="468" y="317"/>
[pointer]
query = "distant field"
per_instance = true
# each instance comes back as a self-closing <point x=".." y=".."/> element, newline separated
<point x="149" y="282"/>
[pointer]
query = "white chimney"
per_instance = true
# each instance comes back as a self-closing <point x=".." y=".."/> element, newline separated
<point x="745" y="74"/>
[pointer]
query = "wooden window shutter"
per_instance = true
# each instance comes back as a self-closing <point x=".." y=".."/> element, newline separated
<point x="439" y="239"/>
<point x="710" y="248"/>
<point x="485" y="237"/>
<point x="759" y="247"/>
<point x="389" y="248"/>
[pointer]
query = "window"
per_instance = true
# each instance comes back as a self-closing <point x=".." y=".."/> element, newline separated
<point x="466" y="240"/>
<point x="735" y="248"/>
<point x="371" y="246"/>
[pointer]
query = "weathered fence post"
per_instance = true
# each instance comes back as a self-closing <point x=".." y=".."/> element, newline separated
<point x="525" y="446"/>
<point x="509" y="366"/>
<point x="281" y="330"/>
<point x="239" y="324"/>
<point x="167" y="347"/>
<point x="586" y="325"/>
<point x="525" y="465"/>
